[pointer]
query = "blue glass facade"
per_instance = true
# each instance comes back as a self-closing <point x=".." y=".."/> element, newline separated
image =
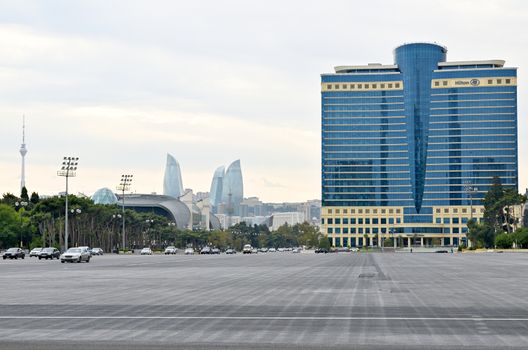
<point x="415" y="145"/>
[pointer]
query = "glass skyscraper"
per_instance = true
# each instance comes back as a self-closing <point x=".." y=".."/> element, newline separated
<point x="409" y="150"/>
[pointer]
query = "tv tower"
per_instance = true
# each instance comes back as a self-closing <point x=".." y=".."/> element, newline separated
<point x="23" y="152"/>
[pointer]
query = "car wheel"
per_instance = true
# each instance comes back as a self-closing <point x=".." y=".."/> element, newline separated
<point x="4" y="257"/>
<point x="62" y="261"/>
<point x="88" y="260"/>
<point x="79" y="261"/>
<point x="40" y="258"/>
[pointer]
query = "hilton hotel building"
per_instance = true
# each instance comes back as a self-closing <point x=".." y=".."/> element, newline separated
<point x="409" y="150"/>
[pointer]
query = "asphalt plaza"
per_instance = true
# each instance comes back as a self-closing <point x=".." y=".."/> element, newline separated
<point x="272" y="300"/>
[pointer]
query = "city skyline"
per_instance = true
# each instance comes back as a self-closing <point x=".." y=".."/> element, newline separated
<point x="119" y="86"/>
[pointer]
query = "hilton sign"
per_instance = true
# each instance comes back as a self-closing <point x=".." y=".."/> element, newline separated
<point x="472" y="82"/>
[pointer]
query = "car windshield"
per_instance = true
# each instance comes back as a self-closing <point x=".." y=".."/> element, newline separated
<point x="74" y="250"/>
<point x="12" y="249"/>
<point x="48" y="249"/>
<point x="37" y="249"/>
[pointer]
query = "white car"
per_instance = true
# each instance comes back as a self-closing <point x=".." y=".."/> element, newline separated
<point x="170" y="250"/>
<point x="76" y="255"/>
<point x="248" y="249"/>
<point x="189" y="251"/>
<point x="35" y="252"/>
<point x="272" y="250"/>
<point x="146" y="251"/>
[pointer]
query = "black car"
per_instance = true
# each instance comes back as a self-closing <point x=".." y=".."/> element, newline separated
<point x="321" y="250"/>
<point x="49" y="253"/>
<point x="14" y="253"/>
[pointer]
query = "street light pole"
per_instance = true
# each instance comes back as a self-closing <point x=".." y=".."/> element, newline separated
<point x="21" y="204"/>
<point x="69" y="166"/>
<point x="470" y="189"/>
<point x="124" y="185"/>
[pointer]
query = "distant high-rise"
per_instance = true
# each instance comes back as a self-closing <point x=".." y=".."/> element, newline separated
<point x="23" y="152"/>
<point x="233" y="188"/>
<point x="216" y="186"/>
<point x="172" y="181"/>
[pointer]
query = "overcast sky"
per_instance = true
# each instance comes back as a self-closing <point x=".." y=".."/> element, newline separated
<point x="121" y="83"/>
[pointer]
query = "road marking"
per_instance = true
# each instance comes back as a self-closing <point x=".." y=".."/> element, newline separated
<point x="300" y="318"/>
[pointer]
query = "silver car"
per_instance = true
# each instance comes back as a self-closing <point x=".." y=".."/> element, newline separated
<point x="76" y="255"/>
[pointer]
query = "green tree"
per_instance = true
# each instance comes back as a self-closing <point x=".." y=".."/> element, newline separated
<point x="34" y="199"/>
<point x="503" y="241"/>
<point x="24" y="194"/>
<point x="10" y="227"/>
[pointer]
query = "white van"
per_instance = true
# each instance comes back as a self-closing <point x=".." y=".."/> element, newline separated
<point x="247" y="249"/>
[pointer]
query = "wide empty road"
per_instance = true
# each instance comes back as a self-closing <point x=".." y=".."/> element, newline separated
<point x="267" y="301"/>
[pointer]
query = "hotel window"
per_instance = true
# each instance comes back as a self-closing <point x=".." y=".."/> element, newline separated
<point x="367" y="211"/>
<point x="375" y="221"/>
<point x="359" y="86"/>
<point x="437" y="83"/>
<point x="390" y="86"/>
<point x="337" y="211"/>
<point x="382" y="86"/>
<point x="397" y="85"/>
<point x="345" y="211"/>
<point x="383" y="221"/>
<point x="438" y="211"/>
<point x="345" y="230"/>
<point x="329" y="87"/>
<point x="446" y="210"/>
<point x="360" y="221"/>
<point x="375" y="211"/>
<point x="330" y="221"/>
<point x="345" y="221"/>
<point x="329" y="211"/>
<point x="391" y="221"/>
<point x="391" y="211"/>
<point x="366" y="86"/>
<point x="455" y="210"/>
<point x="397" y="211"/>
<point x="322" y="221"/>
<point x="367" y="221"/>
<point x="508" y="81"/>
<point x="490" y="81"/>
<point x="373" y="86"/>
<point x="337" y="230"/>
<point x="352" y="211"/>
<point x="329" y="230"/>
<point x="398" y="220"/>
<point x="464" y="210"/>
<point x="345" y="86"/>
<point x="383" y="211"/>
<point x="336" y="86"/>
<point x="360" y="211"/>
<point x="444" y="83"/>
<point x="499" y="81"/>
<point x="352" y="221"/>
<point x="352" y="86"/>
<point x="338" y="221"/>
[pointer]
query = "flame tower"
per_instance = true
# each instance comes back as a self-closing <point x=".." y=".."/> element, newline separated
<point x="23" y="152"/>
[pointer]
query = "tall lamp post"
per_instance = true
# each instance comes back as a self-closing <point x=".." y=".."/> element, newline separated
<point x="470" y="189"/>
<point x="69" y="166"/>
<point x="124" y="185"/>
<point x="21" y="204"/>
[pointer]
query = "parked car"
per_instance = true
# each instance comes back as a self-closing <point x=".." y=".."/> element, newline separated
<point x="321" y="250"/>
<point x="49" y="253"/>
<point x="230" y="251"/>
<point x="189" y="251"/>
<point x="146" y="251"/>
<point x="215" y="251"/>
<point x="254" y="251"/>
<point x="272" y="250"/>
<point x="280" y="250"/>
<point x="35" y="252"/>
<point x="170" y="250"/>
<point x="296" y="250"/>
<point x="263" y="250"/>
<point x="206" y="250"/>
<point x="354" y="249"/>
<point x="97" y="251"/>
<point x="76" y="255"/>
<point x="247" y="249"/>
<point x="14" y="253"/>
